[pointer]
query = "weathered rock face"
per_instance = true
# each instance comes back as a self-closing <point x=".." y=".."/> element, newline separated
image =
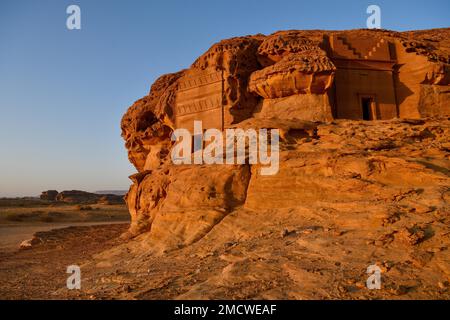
<point x="293" y="65"/>
<point x="299" y="78"/>
<point x="349" y="192"/>
<point x="299" y="82"/>
<point x="143" y="126"/>
<point x="303" y="73"/>
<point x="235" y="59"/>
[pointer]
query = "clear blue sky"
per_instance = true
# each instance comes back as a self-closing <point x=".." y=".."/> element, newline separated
<point x="62" y="93"/>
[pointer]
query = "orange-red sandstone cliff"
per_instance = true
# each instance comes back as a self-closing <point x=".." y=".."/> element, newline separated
<point x="289" y="75"/>
<point x="364" y="161"/>
<point x="348" y="195"/>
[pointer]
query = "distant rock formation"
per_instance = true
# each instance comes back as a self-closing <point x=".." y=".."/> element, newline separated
<point x="301" y="82"/>
<point x="49" y="195"/>
<point x="78" y="196"/>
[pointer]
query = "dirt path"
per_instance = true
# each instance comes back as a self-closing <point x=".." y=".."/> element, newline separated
<point x="39" y="273"/>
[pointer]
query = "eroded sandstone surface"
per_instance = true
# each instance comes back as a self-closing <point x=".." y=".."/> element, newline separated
<point x="363" y="177"/>
<point x="293" y="79"/>
<point x="349" y="194"/>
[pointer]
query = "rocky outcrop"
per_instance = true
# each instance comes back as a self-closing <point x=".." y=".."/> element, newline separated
<point x="293" y="64"/>
<point x="299" y="78"/>
<point x="236" y="59"/>
<point x="363" y="173"/>
<point x="143" y="126"/>
<point x="308" y="72"/>
<point x="349" y="194"/>
<point x="78" y="196"/>
<point x="343" y="166"/>
<point x="294" y="81"/>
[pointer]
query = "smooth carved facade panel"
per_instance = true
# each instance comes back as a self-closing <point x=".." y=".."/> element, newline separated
<point x="199" y="97"/>
<point x="360" y="48"/>
<point x="364" y="69"/>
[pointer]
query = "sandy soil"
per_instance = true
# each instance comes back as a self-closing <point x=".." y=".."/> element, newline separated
<point x="20" y="219"/>
<point x="11" y="235"/>
<point x="291" y="257"/>
<point x="67" y="234"/>
<point x="40" y="272"/>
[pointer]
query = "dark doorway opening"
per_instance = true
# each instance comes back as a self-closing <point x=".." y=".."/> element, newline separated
<point x="367" y="108"/>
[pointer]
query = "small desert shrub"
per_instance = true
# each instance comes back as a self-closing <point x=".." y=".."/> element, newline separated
<point x="34" y="214"/>
<point x="17" y="202"/>
<point x="84" y="208"/>
<point x="46" y="218"/>
<point x="50" y="216"/>
<point x="14" y="217"/>
<point x="54" y="214"/>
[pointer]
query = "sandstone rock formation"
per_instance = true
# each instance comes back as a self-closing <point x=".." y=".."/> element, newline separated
<point x="348" y="194"/>
<point x="363" y="173"/>
<point x="78" y="196"/>
<point x="291" y="77"/>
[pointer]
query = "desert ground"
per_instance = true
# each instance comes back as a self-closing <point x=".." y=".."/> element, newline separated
<point x="388" y="208"/>
<point x="63" y="235"/>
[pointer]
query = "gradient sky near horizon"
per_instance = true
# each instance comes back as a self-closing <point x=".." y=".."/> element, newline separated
<point x="63" y="92"/>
